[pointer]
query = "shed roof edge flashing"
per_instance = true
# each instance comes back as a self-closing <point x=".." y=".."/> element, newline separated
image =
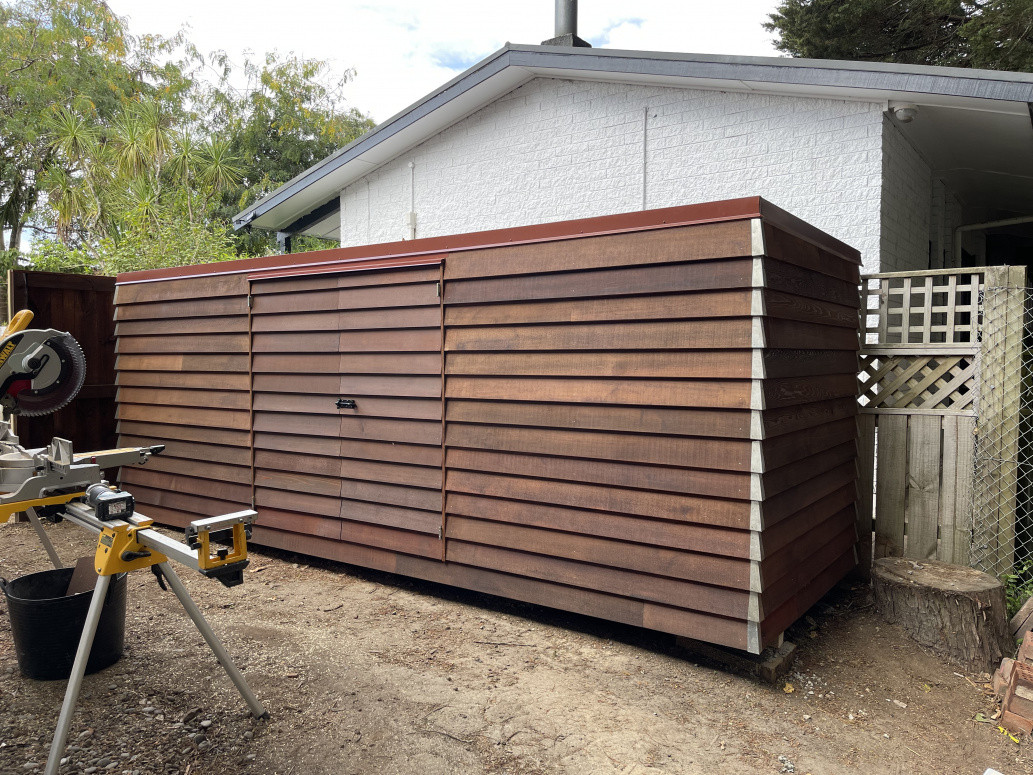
<point x="746" y="208"/>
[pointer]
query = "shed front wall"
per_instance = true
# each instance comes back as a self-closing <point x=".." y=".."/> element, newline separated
<point x="655" y="427"/>
<point x="369" y="475"/>
<point x="182" y="370"/>
<point x="605" y="411"/>
<point x="558" y="149"/>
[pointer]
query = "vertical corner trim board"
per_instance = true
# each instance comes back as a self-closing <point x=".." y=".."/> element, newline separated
<point x="648" y="417"/>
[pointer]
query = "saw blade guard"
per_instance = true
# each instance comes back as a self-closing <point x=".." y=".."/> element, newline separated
<point x="42" y="371"/>
<point x="58" y="382"/>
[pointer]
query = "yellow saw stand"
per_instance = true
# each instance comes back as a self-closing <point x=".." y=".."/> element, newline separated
<point x="41" y="371"/>
<point x="131" y="543"/>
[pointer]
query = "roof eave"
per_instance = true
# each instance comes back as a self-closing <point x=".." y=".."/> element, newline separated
<point x="356" y="147"/>
<point x="851" y="80"/>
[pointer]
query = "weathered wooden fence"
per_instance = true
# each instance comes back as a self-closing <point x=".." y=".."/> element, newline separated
<point x="924" y="361"/>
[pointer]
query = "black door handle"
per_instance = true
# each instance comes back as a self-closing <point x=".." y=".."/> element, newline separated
<point x="345" y="403"/>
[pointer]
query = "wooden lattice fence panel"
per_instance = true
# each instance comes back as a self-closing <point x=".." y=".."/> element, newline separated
<point x="918" y="386"/>
<point x="917" y="309"/>
<point x="910" y="384"/>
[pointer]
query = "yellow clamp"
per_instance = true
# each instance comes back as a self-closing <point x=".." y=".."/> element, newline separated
<point x="236" y="553"/>
<point x="116" y="542"/>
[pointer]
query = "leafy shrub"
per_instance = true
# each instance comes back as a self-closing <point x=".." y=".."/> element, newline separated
<point x="1018" y="586"/>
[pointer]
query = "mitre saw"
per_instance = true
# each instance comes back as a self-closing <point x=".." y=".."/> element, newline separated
<point x="42" y="370"/>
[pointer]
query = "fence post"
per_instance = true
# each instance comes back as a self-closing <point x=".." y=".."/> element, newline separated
<point x="997" y="425"/>
<point x="891" y="489"/>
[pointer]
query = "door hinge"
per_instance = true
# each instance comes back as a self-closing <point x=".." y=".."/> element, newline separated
<point x="441" y="533"/>
<point x="438" y="288"/>
<point x="250" y="301"/>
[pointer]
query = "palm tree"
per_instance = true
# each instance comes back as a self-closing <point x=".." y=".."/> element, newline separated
<point x="218" y="169"/>
<point x="135" y="168"/>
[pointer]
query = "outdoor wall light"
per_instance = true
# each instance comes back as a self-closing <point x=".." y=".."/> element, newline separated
<point x="904" y="113"/>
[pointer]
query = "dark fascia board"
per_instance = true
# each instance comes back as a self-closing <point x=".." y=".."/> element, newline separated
<point x="743" y="68"/>
<point x="858" y="76"/>
<point x="321" y="213"/>
<point x="857" y="79"/>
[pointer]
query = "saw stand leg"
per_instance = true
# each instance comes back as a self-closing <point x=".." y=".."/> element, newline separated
<point x="43" y="537"/>
<point x="257" y="709"/>
<point x="89" y="630"/>
<point x="64" y="721"/>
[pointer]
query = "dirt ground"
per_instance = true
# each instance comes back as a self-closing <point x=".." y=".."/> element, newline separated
<point x="370" y="673"/>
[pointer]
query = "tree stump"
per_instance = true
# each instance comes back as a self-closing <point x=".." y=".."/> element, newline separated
<point x="958" y="612"/>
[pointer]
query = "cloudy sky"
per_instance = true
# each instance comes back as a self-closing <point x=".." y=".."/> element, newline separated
<point x="403" y="49"/>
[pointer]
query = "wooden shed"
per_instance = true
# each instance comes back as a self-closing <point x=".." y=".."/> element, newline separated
<point x="647" y="417"/>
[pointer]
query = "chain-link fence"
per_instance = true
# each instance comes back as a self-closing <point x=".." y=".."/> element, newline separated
<point x="1002" y="494"/>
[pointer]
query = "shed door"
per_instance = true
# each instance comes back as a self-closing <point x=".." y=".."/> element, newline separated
<point x="367" y="474"/>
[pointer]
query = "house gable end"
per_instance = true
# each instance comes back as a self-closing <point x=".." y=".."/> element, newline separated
<point x="556" y="149"/>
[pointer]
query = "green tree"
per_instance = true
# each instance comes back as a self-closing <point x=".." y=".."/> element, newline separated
<point x="290" y="115"/>
<point x="992" y="34"/>
<point x="119" y="162"/>
<point x="1000" y="34"/>
<point x="55" y="53"/>
<point x="136" y="193"/>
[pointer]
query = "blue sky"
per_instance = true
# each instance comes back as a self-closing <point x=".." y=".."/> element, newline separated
<point x="403" y="49"/>
<point x="602" y="40"/>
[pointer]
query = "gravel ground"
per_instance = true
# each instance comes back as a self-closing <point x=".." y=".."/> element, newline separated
<point x="370" y="673"/>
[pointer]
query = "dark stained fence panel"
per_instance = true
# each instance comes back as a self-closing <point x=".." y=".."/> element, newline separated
<point x="82" y="305"/>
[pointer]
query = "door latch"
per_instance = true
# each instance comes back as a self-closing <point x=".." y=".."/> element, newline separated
<point x="345" y="403"/>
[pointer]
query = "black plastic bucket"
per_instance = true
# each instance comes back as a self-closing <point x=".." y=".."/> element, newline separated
<point x="46" y="623"/>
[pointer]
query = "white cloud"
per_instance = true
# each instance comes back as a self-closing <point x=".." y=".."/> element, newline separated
<point x="404" y="49"/>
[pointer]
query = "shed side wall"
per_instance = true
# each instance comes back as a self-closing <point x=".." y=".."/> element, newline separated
<point x="809" y="478"/>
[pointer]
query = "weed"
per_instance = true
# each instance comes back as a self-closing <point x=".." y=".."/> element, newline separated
<point x="1018" y="586"/>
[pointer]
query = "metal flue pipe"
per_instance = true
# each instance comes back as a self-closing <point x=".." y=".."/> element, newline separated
<point x="566" y="17"/>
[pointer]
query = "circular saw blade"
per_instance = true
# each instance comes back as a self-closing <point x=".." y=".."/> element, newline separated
<point x="58" y="382"/>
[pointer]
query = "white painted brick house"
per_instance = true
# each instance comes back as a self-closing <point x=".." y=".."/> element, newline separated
<point x="890" y="159"/>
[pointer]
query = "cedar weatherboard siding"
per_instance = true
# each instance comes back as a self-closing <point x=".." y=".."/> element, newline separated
<point x="644" y="422"/>
<point x="183" y="381"/>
